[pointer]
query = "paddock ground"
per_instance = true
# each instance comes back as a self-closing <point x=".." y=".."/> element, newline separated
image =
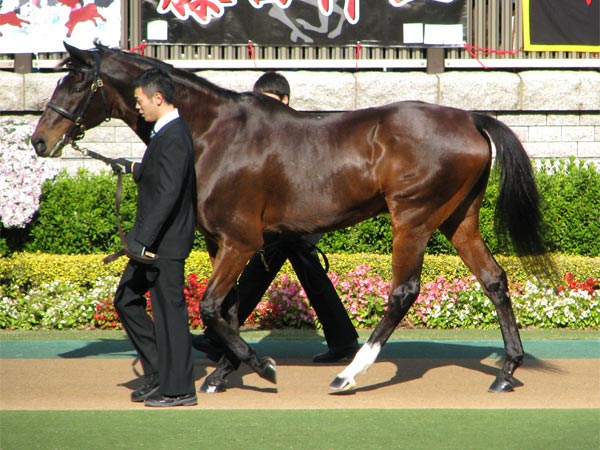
<point x="99" y="375"/>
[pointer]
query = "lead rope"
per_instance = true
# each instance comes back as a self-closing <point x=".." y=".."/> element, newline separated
<point x="125" y="250"/>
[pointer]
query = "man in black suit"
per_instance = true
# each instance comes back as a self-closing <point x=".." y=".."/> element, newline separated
<point x="162" y="236"/>
<point x="261" y="270"/>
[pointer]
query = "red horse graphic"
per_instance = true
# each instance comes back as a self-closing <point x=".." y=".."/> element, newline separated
<point x="11" y="18"/>
<point x="81" y="14"/>
<point x="70" y="3"/>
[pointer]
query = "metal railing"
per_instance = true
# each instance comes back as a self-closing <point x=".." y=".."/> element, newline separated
<point x="494" y="37"/>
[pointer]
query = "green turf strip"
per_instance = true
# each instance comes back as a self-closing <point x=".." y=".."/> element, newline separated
<point x="304" y="334"/>
<point x="395" y="349"/>
<point x="302" y="429"/>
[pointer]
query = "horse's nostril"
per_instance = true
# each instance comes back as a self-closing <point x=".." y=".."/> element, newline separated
<point x="40" y="146"/>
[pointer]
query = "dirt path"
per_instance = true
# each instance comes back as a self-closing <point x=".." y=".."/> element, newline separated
<point x="394" y="383"/>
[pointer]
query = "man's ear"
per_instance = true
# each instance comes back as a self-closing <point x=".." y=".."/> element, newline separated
<point x="158" y="98"/>
<point x="285" y="100"/>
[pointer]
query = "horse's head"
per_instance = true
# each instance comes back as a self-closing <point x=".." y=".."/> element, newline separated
<point x="79" y="102"/>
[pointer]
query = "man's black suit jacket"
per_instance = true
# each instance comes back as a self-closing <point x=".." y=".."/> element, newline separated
<point x="166" y="203"/>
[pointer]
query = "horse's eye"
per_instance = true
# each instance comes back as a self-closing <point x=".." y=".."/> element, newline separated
<point x="74" y="81"/>
<point x="76" y="89"/>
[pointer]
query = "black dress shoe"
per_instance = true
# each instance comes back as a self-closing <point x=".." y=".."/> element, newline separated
<point x="160" y="400"/>
<point x="149" y="387"/>
<point x="214" y="351"/>
<point x="335" y="354"/>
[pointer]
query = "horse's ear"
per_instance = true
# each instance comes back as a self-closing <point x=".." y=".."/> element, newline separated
<point x="99" y="44"/>
<point x="78" y="54"/>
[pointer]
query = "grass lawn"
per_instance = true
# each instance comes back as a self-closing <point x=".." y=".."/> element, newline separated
<point x="302" y="429"/>
<point x="364" y="429"/>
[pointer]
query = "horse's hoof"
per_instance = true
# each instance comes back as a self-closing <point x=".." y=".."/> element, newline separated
<point x="268" y="369"/>
<point x="501" y="385"/>
<point x="212" y="387"/>
<point x="342" y="384"/>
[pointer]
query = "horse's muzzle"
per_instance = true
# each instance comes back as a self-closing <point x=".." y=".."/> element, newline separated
<point x="41" y="148"/>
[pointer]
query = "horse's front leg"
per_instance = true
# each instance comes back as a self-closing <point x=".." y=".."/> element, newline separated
<point x="228" y="265"/>
<point x="216" y="382"/>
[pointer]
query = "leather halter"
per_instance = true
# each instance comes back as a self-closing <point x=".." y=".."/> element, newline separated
<point x="76" y="132"/>
<point x="77" y="129"/>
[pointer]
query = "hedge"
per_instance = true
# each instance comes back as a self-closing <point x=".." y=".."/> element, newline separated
<point x="76" y="216"/>
<point x="30" y="270"/>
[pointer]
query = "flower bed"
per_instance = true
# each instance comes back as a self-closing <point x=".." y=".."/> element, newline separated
<point x="21" y="174"/>
<point x="442" y="303"/>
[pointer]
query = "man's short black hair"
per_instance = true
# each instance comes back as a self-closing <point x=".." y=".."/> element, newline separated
<point x="156" y="80"/>
<point x="272" y="83"/>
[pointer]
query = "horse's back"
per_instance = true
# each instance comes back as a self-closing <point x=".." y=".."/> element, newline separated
<point x="407" y="137"/>
<point x="411" y="153"/>
<point x="307" y="171"/>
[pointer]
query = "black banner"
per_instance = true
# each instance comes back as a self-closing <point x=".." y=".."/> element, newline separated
<point x="562" y="25"/>
<point x="305" y="22"/>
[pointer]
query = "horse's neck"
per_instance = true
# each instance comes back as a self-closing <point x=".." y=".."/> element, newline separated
<point x="198" y="102"/>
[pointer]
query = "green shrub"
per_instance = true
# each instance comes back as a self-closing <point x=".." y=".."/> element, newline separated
<point x="76" y="216"/>
<point x="371" y="236"/>
<point x="570" y="191"/>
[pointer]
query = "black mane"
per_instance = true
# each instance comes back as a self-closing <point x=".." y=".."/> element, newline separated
<point x="183" y="74"/>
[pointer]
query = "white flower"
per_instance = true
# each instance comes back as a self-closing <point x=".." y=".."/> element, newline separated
<point x="22" y="174"/>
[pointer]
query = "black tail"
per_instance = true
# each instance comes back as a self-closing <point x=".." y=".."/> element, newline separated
<point x="517" y="214"/>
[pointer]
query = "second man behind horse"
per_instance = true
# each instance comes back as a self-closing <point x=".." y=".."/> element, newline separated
<point x="261" y="270"/>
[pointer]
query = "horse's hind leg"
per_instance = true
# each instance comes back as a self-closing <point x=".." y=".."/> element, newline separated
<point x="407" y="261"/>
<point x="465" y="236"/>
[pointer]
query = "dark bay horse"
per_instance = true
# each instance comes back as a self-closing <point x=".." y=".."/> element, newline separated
<point x="262" y="166"/>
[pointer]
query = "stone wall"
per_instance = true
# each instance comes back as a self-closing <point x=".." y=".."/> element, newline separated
<point x="554" y="113"/>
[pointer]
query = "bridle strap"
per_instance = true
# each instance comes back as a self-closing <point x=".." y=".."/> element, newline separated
<point x="77" y="129"/>
<point x="77" y="132"/>
<point x="63" y="112"/>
